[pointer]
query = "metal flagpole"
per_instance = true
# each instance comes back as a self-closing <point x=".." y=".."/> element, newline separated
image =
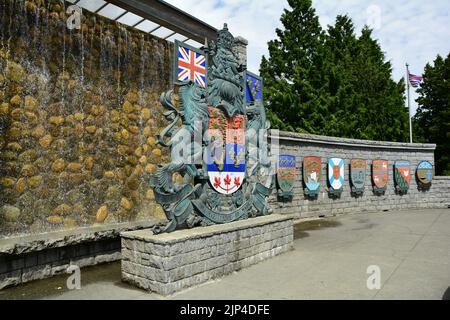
<point x="409" y="105"/>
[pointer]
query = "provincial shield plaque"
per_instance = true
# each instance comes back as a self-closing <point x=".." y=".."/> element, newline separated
<point x="424" y="174"/>
<point x="312" y="168"/>
<point x="402" y="176"/>
<point x="286" y="176"/>
<point x="210" y="133"/>
<point x="336" y="176"/>
<point x="380" y="176"/>
<point x="358" y="175"/>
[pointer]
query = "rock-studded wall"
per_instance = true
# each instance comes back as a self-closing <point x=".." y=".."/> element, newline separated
<point x="79" y="110"/>
<point x="301" y="145"/>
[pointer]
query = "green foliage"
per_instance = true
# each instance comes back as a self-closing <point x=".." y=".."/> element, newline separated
<point x="331" y="82"/>
<point x="432" y="120"/>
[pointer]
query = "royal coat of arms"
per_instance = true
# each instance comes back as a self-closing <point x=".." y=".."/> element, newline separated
<point x="312" y="175"/>
<point x="224" y="180"/>
<point x="286" y="176"/>
<point x="380" y="176"/>
<point x="336" y="176"/>
<point x="358" y="176"/>
<point x="424" y="174"/>
<point x="402" y="176"/>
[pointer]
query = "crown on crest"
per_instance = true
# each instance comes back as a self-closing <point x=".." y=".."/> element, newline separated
<point x="224" y="38"/>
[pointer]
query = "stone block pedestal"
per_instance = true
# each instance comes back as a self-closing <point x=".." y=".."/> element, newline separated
<point x="168" y="263"/>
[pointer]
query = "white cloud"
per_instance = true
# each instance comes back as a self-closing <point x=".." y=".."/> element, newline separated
<point x="410" y="31"/>
<point x="255" y="20"/>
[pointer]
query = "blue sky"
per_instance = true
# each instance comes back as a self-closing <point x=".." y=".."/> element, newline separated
<point x="412" y="31"/>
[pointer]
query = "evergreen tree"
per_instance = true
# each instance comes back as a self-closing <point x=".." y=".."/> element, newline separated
<point x="365" y="102"/>
<point x="290" y="73"/>
<point x="331" y="83"/>
<point x="432" y="120"/>
<point x="341" y="48"/>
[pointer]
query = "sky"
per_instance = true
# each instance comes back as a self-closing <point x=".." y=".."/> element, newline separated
<point x="412" y="31"/>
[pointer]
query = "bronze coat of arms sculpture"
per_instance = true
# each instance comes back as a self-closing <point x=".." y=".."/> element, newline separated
<point x="220" y="148"/>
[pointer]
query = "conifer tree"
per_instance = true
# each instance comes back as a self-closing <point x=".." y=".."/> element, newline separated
<point x="432" y="120"/>
<point x="290" y="72"/>
<point x="331" y="83"/>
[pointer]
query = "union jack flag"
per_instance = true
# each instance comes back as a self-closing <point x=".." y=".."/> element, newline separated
<point x="191" y="66"/>
<point x="415" y="80"/>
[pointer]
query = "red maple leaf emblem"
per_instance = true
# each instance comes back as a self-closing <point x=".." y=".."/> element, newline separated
<point x="237" y="181"/>
<point x="227" y="180"/>
<point x="216" y="182"/>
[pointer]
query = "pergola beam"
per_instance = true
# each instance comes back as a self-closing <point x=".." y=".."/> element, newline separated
<point x="170" y="17"/>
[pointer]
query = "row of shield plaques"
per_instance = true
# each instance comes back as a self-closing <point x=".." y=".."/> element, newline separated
<point x="312" y="176"/>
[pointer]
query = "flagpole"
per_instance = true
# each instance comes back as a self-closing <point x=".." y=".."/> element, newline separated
<point x="409" y="104"/>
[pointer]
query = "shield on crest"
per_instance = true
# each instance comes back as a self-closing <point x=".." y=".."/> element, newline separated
<point x="336" y="175"/>
<point x="226" y="153"/>
<point x="312" y="168"/>
<point x="425" y="173"/>
<point x="286" y="176"/>
<point x="402" y="175"/>
<point x="380" y="176"/>
<point x="358" y="175"/>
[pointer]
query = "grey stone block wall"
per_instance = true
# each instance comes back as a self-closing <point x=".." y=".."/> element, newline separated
<point x="166" y="264"/>
<point x="44" y="255"/>
<point x="441" y="193"/>
<point x="25" y="267"/>
<point x="301" y="145"/>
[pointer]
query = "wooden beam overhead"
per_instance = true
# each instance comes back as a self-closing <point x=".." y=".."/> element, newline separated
<point x="170" y="17"/>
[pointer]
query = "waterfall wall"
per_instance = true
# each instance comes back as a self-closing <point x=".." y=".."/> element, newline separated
<point x="79" y="110"/>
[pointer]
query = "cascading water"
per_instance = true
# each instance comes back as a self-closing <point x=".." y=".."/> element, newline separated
<point x="78" y="113"/>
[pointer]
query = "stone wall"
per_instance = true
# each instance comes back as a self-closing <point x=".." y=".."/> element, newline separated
<point x="79" y="111"/>
<point x="169" y="263"/>
<point x="21" y="268"/>
<point x="302" y="145"/>
<point x="41" y="256"/>
<point x="441" y="192"/>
